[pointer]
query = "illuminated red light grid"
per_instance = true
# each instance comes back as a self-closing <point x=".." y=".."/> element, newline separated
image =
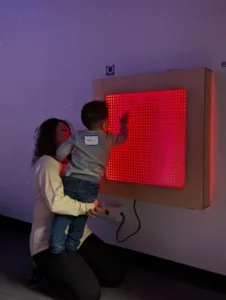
<point x="154" y="153"/>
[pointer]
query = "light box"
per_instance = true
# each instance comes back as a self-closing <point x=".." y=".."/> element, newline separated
<point x="154" y="153"/>
<point x="151" y="166"/>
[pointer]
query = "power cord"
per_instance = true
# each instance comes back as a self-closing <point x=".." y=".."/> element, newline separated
<point x="123" y="221"/>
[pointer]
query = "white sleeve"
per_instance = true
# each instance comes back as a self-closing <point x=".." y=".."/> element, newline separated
<point x="66" y="148"/>
<point x="52" y="190"/>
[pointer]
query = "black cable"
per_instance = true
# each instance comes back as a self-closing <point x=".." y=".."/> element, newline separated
<point x="123" y="221"/>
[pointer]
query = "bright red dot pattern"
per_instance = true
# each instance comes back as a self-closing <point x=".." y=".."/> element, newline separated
<point x="155" y="151"/>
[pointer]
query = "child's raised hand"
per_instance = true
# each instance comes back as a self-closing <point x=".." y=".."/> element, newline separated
<point x="124" y="118"/>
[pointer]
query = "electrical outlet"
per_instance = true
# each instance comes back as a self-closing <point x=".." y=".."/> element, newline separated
<point x="112" y="213"/>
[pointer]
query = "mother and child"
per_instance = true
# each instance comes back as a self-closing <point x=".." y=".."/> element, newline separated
<point x="61" y="244"/>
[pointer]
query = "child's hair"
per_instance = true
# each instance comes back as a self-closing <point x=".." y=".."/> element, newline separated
<point x="93" y="113"/>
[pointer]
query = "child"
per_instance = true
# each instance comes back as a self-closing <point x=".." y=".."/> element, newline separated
<point x="90" y="150"/>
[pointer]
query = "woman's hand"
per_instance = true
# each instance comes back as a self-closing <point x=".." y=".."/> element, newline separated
<point x="96" y="210"/>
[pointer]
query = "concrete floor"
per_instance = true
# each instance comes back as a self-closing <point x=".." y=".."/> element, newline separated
<point x="15" y="267"/>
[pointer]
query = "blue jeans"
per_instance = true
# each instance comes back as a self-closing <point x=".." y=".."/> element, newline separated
<point x="81" y="190"/>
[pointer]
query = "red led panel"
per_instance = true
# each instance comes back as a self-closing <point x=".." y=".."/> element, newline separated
<point x="154" y="152"/>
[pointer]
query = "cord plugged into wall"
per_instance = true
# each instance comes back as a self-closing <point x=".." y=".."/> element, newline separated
<point x="122" y="223"/>
<point x="114" y="213"/>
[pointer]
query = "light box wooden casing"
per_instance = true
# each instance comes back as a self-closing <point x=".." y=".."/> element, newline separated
<point x="197" y="83"/>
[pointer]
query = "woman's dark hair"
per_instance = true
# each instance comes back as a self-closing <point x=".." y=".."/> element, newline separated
<point x="94" y="112"/>
<point x="45" y="139"/>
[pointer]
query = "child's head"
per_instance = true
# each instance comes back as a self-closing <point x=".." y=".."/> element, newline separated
<point x="94" y="115"/>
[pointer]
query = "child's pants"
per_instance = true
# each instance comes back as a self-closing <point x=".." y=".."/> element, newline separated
<point x="81" y="190"/>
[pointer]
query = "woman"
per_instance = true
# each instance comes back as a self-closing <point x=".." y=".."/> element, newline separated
<point x="95" y="263"/>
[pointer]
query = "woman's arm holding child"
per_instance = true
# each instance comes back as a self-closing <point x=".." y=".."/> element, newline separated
<point x="52" y="190"/>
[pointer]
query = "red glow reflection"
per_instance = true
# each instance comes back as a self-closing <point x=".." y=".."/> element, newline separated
<point x="154" y="153"/>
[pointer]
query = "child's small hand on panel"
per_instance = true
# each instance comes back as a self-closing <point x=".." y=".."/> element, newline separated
<point x="124" y="118"/>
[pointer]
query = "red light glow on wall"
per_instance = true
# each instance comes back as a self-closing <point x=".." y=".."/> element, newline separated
<point x="155" y="151"/>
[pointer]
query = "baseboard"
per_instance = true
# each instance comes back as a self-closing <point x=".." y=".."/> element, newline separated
<point x="204" y="279"/>
<point x="15" y="224"/>
<point x="176" y="271"/>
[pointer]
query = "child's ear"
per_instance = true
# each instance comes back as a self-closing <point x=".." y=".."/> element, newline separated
<point x="105" y="125"/>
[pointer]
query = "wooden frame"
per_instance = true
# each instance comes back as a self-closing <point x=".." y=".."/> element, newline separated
<point x="197" y="82"/>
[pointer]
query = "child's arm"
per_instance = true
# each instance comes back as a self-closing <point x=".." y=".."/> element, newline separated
<point x="66" y="148"/>
<point x="121" y="137"/>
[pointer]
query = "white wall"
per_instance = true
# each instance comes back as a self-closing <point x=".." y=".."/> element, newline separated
<point x="49" y="53"/>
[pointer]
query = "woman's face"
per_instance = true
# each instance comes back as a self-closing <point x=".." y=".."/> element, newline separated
<point x="63" y="133"/>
